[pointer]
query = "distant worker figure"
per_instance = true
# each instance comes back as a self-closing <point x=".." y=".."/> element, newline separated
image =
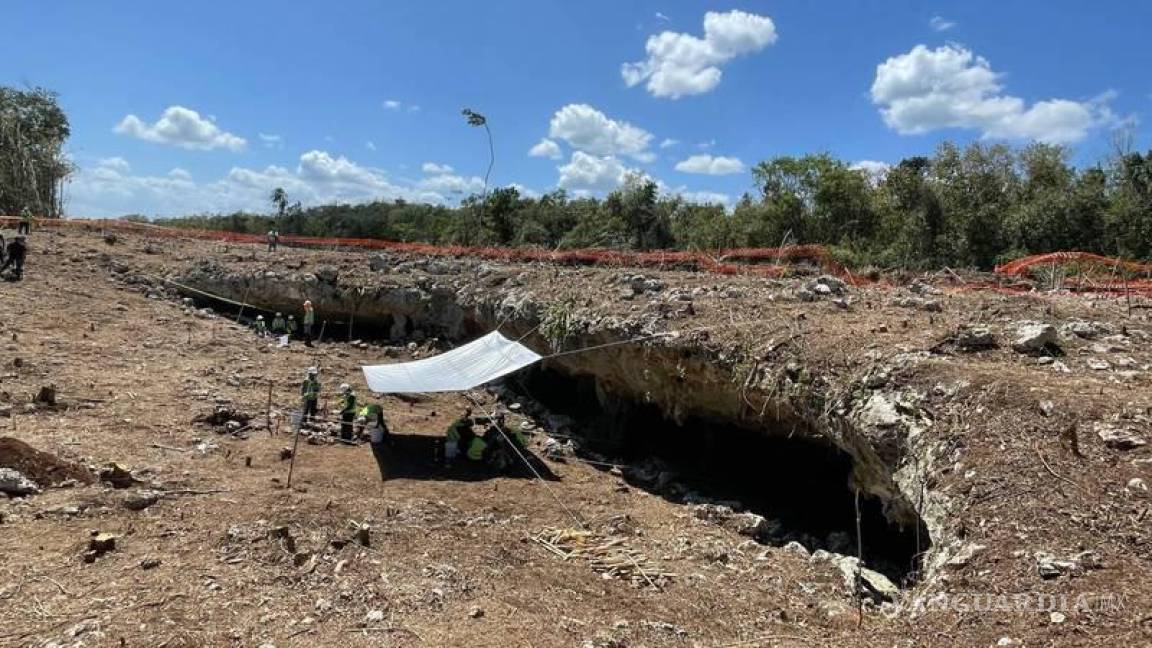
<point x="279" y="326"/>
<point x="272" y="240"/>
<point x="370" y="417"/>
<point x="310" y="396"/>
<point x="17" y="250"/>
<point x="25" y="221"/>
<point x="478" y="448"/>
<point x="347" y="411"/>
<point x="458" y="437"/>
<point x="379" y="438"/>
<point x="260" y="326"/>
<point x="309" y="322"/>
<point x="291" y="326"/>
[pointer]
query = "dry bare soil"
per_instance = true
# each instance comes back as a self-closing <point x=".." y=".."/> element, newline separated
<point x="222" y="553"/>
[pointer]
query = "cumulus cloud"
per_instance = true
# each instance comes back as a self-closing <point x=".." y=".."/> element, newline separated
<point x="109" y="188"/>
<point x="448" y="183"/>
<point x="703" y="197"/>
<point x="183" y="127"/>
<point x="710" y="165"/>
<point x="586" y="129"/>
<point x="873" y="170"/>
<point x="546" y="148"/>
<point x="436" y="169"/>
<point x="941" y="24"/>
<point x="950" y="87"/>
<point x="592" y="173"/>
<point x="681" y="64"/>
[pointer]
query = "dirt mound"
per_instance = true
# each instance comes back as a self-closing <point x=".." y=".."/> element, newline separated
<point x="41" y="467"/>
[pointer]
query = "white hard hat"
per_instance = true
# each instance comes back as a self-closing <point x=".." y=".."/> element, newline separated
<point x="345" y="387"/>
<point x="313" y="370"/>
<point x="259" y="317"/>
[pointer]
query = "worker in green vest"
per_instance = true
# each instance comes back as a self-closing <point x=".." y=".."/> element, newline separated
<point x="476" y="448"/>
<point x="260" y="326"/>
<point x="347" y="411"/>
<point x="309" y="322"/>
<point x="291" y="327"/>
<point x="25" y="221"/>
<point x="310" y="396"/>
<point x="279" y="326"/>
<point x="458" y="437"/>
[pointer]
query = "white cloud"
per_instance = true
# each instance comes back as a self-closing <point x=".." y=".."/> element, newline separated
<point x="873" y="170"/>
<point x="109" y="188"/>
<point x="447" y="183"/>
<point x="705" y="145"/>
<point x="183" y="127"/>
<point x="370" y="145"/>
<point x="669" y="143"/>
<point x="271" y="141"/>
<point x="436" y="169"/>
<point x="710" y="165"/>
<point x="703" y="197"/>
<point x="546" y="148"/>
<point x="941" y="24"/>
<point x="396" y="105"/>
<point x="950" y="87"/>
<point x="593" y="173"/>
<point x="682" y="64"/>
<point x="661" y="16"/>
<point x="117" y="164"/>
<point x="586" y="129"/>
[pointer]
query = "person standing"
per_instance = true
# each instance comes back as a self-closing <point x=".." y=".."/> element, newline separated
<point x="271" y="236"/>
<point x="309" y="322"/>
<point x="25" y="221"/>
<point x="347" y="411"/>
<point x="310" y="396"/>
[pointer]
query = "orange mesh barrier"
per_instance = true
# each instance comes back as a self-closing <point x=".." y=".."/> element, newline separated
<point x="1095" y="273"/>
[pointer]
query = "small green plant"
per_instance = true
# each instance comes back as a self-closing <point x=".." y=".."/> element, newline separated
<point x="557" y="325"/>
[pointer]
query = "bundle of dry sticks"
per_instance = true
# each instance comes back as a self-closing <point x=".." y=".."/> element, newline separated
<point x="607" y="556"/>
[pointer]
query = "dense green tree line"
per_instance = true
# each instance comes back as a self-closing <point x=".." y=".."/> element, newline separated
<point x="966" y="207"/>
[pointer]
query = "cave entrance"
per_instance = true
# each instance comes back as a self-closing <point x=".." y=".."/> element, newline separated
<point x="795" y="478"/>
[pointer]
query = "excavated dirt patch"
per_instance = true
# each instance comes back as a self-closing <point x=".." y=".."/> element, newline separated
<point x="41" y="467"/>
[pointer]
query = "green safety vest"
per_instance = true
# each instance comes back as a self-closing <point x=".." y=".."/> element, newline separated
<point x="310" y="390"/>
<point x="291" y="326"/>
<point x="476" y="450"/>
<point x="25" y="217"/>
<point x="278" y="324"/>
<point x="309" y="317"/>
<point x="348" y="403"/>
<point x="261" y="326"/>
<point x="370" y="411"/>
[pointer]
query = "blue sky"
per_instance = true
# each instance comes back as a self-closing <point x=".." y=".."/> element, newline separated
<point x="206" y="106"/>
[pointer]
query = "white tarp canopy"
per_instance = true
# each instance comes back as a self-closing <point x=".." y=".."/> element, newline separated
<point x="462" y="368"/>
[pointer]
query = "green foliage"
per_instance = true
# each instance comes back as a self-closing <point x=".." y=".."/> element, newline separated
<point x="33" y="129"/>
<point x="971" y="206"/>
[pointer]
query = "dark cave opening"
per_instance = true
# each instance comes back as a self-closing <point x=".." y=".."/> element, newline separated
<point x="797" y="480"/>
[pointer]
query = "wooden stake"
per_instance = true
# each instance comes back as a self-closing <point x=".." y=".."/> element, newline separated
<point x="859" y="564"/>
<point x="295" y="445"/>
<point x="268" y="410"/>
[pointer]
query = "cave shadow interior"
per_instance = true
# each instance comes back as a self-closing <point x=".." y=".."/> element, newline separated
<point x="794" y="477"/>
